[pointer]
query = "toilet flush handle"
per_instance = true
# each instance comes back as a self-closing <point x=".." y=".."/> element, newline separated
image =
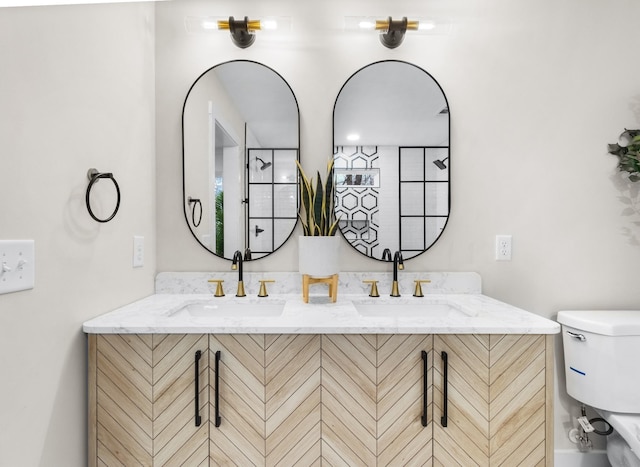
<point x="580" y="337"/>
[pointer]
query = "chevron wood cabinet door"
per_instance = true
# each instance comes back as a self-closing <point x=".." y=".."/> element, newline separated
<point x="373" y="400"/>
<point x="142" y="400"/>
<point x="521" y="400"/>
<point x="239" y="438"/>
<point x="292" y="396"/>
<point x="120" y="400"/>
<point x="402" y="439"/>
<point x="349" y="391"/>
<point x="461" y="417"/>
<point x="499" y="400"/>
<point x="269" y="400"/>
<point x="179" y="438"/>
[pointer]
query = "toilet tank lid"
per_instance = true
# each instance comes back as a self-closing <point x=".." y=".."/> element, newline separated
<point x="605" y="322"/>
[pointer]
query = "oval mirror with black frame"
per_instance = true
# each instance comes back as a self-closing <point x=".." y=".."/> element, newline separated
<point x="240" y="143"/>
<point x="391" y="131"/>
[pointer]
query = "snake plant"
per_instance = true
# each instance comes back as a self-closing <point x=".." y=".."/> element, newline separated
<point x="317" y="201"/>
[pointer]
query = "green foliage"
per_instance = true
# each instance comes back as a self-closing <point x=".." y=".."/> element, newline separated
<point x="220" y="223"/>
<point x="629" y="155"/>
<point x="317" y="201"/>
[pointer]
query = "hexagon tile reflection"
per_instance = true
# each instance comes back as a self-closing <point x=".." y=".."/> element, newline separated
<point x="357" y="208"/>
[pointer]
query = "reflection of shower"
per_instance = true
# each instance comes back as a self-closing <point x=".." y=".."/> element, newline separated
<point x="265" y="165"/>
<point x="258" y="230"/>
<point x="440" y="163"/>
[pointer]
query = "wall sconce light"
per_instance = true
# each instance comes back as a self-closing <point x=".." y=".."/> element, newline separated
<point x="242" y="30"/>
<point x="392" y="31"/>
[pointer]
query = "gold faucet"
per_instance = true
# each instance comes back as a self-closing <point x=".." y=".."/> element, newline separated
<point x="398" y="264"/>
<point x="219" y="291"/>
<point x="263" y="287"/>
<point x="237" y="264"/>
<point x="374" y="288"/>
<point x="418" y="291"/>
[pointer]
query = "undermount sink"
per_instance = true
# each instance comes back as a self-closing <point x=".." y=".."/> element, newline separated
<point x="210" y="309"/>
<point x="419" y="309"/>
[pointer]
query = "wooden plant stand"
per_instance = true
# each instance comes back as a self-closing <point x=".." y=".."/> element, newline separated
<point x="332" y="281"/>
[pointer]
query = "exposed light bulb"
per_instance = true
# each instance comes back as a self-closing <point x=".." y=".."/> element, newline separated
<point x="366" y="24"/>
<point x="381" y="24"/>
<point x="208" y="24"/>
<point x="426" y="25"/>
<point x="269" y="24"/>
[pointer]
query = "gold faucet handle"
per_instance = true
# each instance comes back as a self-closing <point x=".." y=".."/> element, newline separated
<point x="418" y="291"/>
<point x="374" y="288"/>
<point x="219" y="291"/>
<point x="263" y="287"/>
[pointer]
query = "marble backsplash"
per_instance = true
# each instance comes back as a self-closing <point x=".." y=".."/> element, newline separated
<point x="291" y="282"/>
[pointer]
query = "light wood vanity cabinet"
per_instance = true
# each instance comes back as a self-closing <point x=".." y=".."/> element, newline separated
<point x="321" y="399"/>
<point x="269" y="393"/>
<point x="499" y="404"/>
<point x="372" y="400"/>
<point x="498" y="400"/>
<point x="141" y="400"/>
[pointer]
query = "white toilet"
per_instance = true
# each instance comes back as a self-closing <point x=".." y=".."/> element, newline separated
<point x="602" y="368"/>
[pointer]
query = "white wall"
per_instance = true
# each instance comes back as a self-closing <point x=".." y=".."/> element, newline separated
<point x="76" y="91"/>
<point x="536" y="91"/>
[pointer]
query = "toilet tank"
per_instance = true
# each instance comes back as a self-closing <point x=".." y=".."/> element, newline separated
<point x="602" y="358"/>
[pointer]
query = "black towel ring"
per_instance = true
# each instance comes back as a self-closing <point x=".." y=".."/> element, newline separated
<point x="195" y="202"/>
<point x="93" y="175"/>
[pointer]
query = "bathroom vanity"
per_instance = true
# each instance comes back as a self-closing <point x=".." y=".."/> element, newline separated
<point x="452" y="378"/>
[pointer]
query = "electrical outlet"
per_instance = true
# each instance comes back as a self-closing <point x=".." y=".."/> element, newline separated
<point x="503" y="247"/>
<point x="138" y="251"/>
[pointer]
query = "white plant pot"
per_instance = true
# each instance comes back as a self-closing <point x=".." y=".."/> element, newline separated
<point x="319" y="256"/>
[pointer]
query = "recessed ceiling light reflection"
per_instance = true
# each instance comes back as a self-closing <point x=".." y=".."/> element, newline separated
<point x="353" y="137"/>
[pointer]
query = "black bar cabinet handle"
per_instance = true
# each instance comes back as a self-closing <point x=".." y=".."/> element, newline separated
<point x="198" y="418"/>
<point x="445" y="371"/>
<point x="217" y="418"/>
<point x="425" y="367"/>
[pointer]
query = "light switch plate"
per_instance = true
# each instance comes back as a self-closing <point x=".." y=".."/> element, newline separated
<point x="138" y="251"/>
<point x="17" y="265"/>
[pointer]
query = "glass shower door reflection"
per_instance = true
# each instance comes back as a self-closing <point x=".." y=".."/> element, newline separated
<point x="272" y="194"/>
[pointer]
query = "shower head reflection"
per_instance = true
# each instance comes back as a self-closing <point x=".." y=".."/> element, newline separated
<point x="441" y="163"/>
<point x="265" y="165"/>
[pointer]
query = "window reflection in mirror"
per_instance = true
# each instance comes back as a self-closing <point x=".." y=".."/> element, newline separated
<point x="391" y="131"/>
<point x="240" y="126"/>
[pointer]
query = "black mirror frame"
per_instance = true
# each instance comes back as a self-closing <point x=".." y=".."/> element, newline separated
<point x="185" y="199"/>
<point x="448" y="151"/>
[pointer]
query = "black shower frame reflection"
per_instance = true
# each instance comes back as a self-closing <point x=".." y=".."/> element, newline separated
<point x="423" y="183"/>
<point x="250" y="218"/>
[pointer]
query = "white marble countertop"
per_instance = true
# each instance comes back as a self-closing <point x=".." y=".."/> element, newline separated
<point x="448" y="313"/>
